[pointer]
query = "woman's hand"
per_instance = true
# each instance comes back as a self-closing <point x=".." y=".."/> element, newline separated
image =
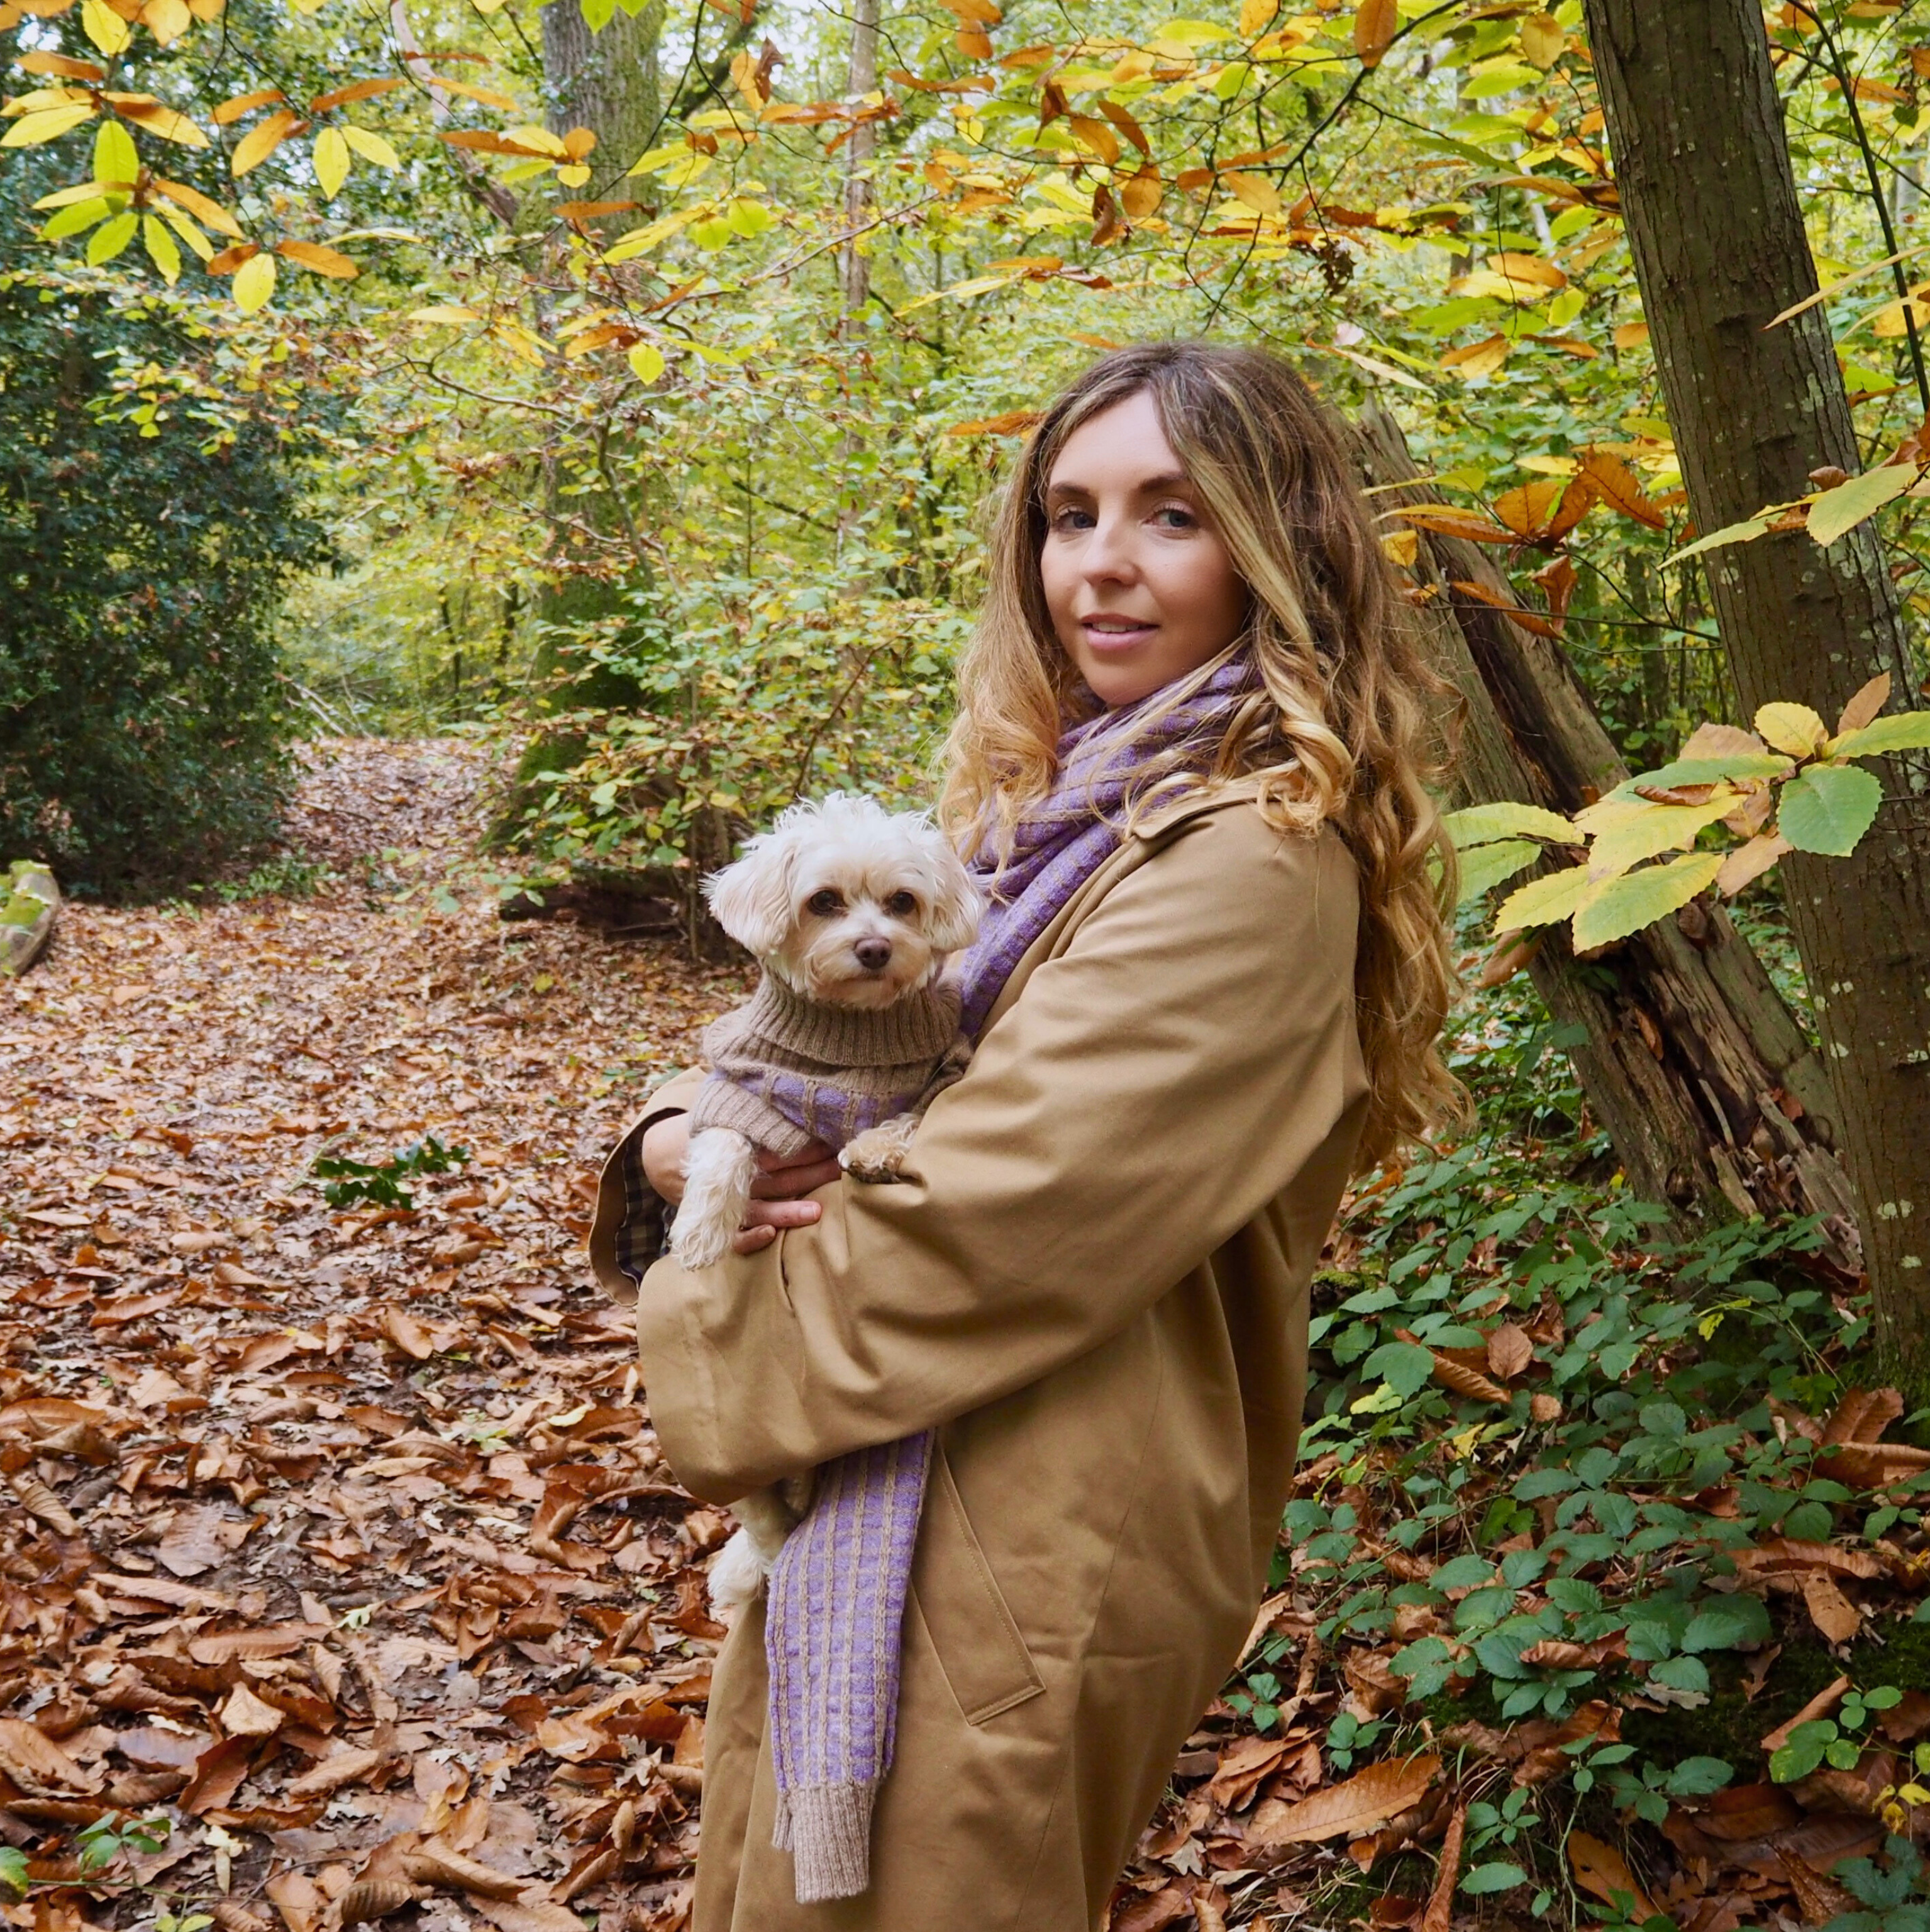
<point x="775" y="1202"/>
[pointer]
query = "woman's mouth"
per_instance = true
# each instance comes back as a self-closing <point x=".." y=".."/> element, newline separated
<point x="1107" y="632"/>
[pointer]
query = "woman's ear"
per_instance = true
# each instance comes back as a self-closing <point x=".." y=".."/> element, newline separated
<point x="957" y="904"/>
<point x="750" y="900"/>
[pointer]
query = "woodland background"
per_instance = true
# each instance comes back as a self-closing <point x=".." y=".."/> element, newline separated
<point x="466" y="462"/>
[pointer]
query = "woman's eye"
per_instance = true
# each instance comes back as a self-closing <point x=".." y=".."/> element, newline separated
<point x="1072" y="518"/>
<point x="1174" y="517"/>
<point x="900" y="905"/>
<point x="824" y="903"/>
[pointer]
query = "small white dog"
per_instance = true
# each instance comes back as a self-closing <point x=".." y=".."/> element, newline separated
<point x="851" y="911"/>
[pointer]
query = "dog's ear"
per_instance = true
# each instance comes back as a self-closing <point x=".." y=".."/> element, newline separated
<point x="750" y="900"/>
<point x="957" y="904"/>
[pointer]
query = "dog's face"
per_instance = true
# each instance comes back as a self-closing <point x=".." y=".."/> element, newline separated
<point x="848" y="903"/>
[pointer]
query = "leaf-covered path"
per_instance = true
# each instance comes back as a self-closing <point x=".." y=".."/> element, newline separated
<point x="335" y="1526"/>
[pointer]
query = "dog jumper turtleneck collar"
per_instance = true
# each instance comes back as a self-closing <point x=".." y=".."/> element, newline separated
<point x="788" y="1069"/>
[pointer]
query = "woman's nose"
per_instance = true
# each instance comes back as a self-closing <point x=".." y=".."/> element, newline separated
<point x="1109" y="556"/>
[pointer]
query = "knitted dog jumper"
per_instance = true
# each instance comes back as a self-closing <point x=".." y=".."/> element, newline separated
<point x="787" y="1069"/>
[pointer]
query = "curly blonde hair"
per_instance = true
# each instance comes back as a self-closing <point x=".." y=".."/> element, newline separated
<point x="1347" y="730"/>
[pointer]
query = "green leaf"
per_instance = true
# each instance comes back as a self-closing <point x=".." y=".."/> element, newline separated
<point x="1697" y="1777"/>
<point x="1707" y="771"/>
<point x="1613" y="911"/>
<point x="597" y="14"/>
<point x="1542" y="901"/>
<point x="1729" y="1623"/>
<point x="1747" y="531"/>
<point x="1838" y="510"/>
<point x="114" y="159"/>
<point x="1803" y="1751"/>
<point x="748" y="217"/>
<point x="82" y="215"/>
<point x="1900" y="731"/>
<point x="13" y="1870"/>
<point x="111" y="237"/>
<point x="1478" y="824"/>
<point x="1488" y="866"/>
<point x="1499" y="1876"/>
<point x="1828" y="807"/>
<point x="1407" y="1365"/>
<point x="1688" y="1674"/>
<point x="645" y="361"/>
<point x="162" y="249"/>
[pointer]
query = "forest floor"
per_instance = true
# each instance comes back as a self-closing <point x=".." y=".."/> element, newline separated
<point x="345" y="1548"/>
<point x="343" y="1581"/>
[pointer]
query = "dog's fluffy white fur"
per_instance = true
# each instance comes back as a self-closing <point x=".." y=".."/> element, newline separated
<point x="853" y="905"/>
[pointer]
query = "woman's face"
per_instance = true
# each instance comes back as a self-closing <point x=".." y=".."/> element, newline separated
<point x="1139" y="585"/>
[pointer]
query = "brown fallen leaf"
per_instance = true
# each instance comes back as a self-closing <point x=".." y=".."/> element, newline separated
<point x="245" y="1715"/>
<point x="1356" y="1804"/>
<point x="1439" y="1916"/>
<point x="373" y="1898"/>
<point x="36" y="1764"/>
<point x="1243" y="1765"/>
<point x="1601" y="1871"/>
<point x="1509" y="1351"/>
<point x="1153" y="1912"/>
<point x="40" y="1501"/>
<point x="1834" y="1616"/>
<point x="192" y="1541"/>
<point x="1819" y="1899"/>
<point x="298" y="1898"/>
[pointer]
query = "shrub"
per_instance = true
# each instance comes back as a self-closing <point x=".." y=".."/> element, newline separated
<point x="144" y="717"/>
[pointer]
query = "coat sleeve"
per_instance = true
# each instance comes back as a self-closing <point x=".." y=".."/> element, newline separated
<point x="629" y="1228"/>
<point x="1150" y="1090"/>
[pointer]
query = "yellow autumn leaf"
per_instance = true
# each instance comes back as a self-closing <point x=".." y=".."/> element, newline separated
<point x="444" y="312"/>
<point x="254" y="284"/>
<point x="167" y="20"/>
<point x="371" y="147"/>
<point x="1477" y="358"/>
<point x="1542" y="37"/>
<point x="198" y="205"/>
<point x="189" y="233"/>
<point x="645" y="361"/>
<point x="154" y="117"/>
<point x="1793" y="728"/>
<point x="1256" y="16"/>
<point x="311" y="255"/>
<point x="258" y="143"/>
<point x="1254" y="191"/>
<point x="47" y="125"/>
<point x="1375" y="23"/>
<point x="331" y="162"/>
<point x="104" y="27"/>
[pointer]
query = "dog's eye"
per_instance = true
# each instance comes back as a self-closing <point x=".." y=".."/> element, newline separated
<point x="902" y="905"/>
<point x="824" y="903"/>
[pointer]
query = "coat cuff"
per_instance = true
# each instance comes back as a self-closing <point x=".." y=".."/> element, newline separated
<point x="630" y="1226"/>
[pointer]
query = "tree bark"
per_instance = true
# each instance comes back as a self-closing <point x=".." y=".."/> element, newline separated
<point x="854" y="263"/>
<point x="606" y="81"/>
<point x="1692" y="1062"/>
<point x="1703" y="165"/>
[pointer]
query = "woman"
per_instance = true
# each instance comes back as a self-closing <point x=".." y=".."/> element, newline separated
<point x="1191" y="743"/>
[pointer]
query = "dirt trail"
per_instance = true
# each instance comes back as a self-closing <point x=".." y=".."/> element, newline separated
<point x="337" y="1542"/>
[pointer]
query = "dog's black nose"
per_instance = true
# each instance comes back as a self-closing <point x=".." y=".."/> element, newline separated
<point x="874" y="955"/>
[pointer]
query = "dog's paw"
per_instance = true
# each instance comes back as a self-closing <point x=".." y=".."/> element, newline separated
<point x="878" y="1154"/>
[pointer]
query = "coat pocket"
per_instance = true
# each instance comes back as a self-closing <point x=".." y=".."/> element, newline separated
<point x="979" y="1648"/>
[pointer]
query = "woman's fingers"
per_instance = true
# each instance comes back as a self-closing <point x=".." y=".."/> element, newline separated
<point x="764" y="1220"/>
<point x="786" y="1179"/>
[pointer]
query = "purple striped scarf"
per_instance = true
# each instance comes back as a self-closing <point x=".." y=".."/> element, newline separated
<point x="834" y="1625"/>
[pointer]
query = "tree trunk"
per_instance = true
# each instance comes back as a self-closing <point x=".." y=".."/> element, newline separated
<point x="1692" y="1062"/>
<point x="854" y="263"/>
<point x="1703" y="166"/>
<point x="606" y="82"/>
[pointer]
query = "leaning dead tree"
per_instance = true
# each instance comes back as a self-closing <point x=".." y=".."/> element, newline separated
<point x="1715" y="1101"/>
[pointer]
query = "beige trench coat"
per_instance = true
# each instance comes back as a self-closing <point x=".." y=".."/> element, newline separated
<point x="1097" y="1289"/>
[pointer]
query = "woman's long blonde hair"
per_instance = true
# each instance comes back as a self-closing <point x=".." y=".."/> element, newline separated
<point x="1350" y="733"/>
